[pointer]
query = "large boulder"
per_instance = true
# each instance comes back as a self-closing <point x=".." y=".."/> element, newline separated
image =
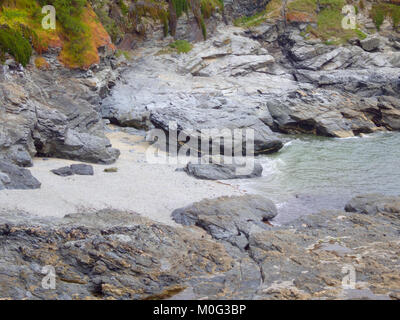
<point x="14" y="177"/>
<point x="50" y="114"/>
<point x="232" y="219"/>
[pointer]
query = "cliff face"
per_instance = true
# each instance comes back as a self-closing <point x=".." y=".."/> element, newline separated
<point x="239" y="8"/>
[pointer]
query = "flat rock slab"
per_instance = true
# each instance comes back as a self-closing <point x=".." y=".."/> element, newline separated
<point x="79" y="169"/>
<point x="14" y="177"/>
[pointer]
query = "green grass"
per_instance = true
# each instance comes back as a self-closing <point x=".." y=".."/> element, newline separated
<point x="380" y="11"/>
<point x="13" y="42"/>
<point x="309" y="6"/>
<point x="181" y="46"/>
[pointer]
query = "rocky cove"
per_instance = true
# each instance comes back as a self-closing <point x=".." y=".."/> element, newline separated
<point x="325" y="118"/>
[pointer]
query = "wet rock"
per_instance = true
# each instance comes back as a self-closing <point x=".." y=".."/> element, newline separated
<point x="14" y="177"/>
<point x="212" y="171"/>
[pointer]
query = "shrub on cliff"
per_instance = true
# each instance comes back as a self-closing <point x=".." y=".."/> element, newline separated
<point x="12" y="42"/>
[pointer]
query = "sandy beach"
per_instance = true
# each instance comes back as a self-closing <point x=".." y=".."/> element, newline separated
<point x="152" y="190"/>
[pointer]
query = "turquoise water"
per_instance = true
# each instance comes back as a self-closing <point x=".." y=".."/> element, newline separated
<point x="311" y="174"/>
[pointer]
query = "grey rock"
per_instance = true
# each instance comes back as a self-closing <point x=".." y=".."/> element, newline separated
<point x="79" y="169"/>
<point x="373" y="204"/>
<point x="63" y="172"/>
<point x="14" y="177"/>
<point x="47" y="117"/>
<point x="232" y="219"/>
<point x="212" y="171"/>
<point x="370" y="43"/>
<point x="82" y="169"/>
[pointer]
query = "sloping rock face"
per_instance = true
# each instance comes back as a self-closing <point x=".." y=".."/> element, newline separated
<point x="240" y="8"/>
<point x="14" y="177"/>
<point x="104" y="255"/>
<point x="268" y="78"/>
<point x="223" y="255"/>
<point x="51" y="113"/>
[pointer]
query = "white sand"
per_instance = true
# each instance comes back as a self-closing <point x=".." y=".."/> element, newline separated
<point x="152" y="190"/>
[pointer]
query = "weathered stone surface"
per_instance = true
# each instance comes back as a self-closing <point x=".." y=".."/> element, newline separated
<point x="102" y="256"/>
<point x="63" y="172"/>
<point x="50" y="113"/>
<point x="370" y="43"/>
<point x="374" y="204"/>
<point x="79" y="169"/>
<point x="121" y="255"/>
<point x="82" y="169"/>
<point x="229" y="218"/>
<point x="14" y="177"/>
<point x="211" y="171"/>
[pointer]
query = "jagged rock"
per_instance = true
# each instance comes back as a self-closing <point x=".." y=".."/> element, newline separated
<point x="119" y="255"/>
<point x="41" y="116"/>
<point x="229" y="218"/>
<point x="14" y="177"/>
<point x="212" y="171"/>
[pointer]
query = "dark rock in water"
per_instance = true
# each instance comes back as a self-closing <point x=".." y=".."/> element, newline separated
<point x="372" y="204"/>
<point x="212" y="171"/>
<point x="229" y="218"/>
<point x="63" y="172"/>
<point x="82" y="169"/>
<point x="79" y="169"/>
<point x="14" y="177"/>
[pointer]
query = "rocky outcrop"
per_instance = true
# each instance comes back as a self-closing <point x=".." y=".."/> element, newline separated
<point x="225" y="254"/>
<point x="239" y="8"/>
<point x="229" y="218"/>
<point x="51" y="113"/>
<point x="14" y="177"/>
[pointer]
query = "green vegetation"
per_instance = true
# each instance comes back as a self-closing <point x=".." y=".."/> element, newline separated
<point x="181" y="46"/>
<point x="13" y="42"/>
<point x="125" y="53"/>
<point x="309" y="6"/>
<point x="380" y="11"/>
<point x="178" y="46"/>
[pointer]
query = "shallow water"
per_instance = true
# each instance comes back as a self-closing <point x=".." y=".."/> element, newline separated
<point x="311" y="174"/>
